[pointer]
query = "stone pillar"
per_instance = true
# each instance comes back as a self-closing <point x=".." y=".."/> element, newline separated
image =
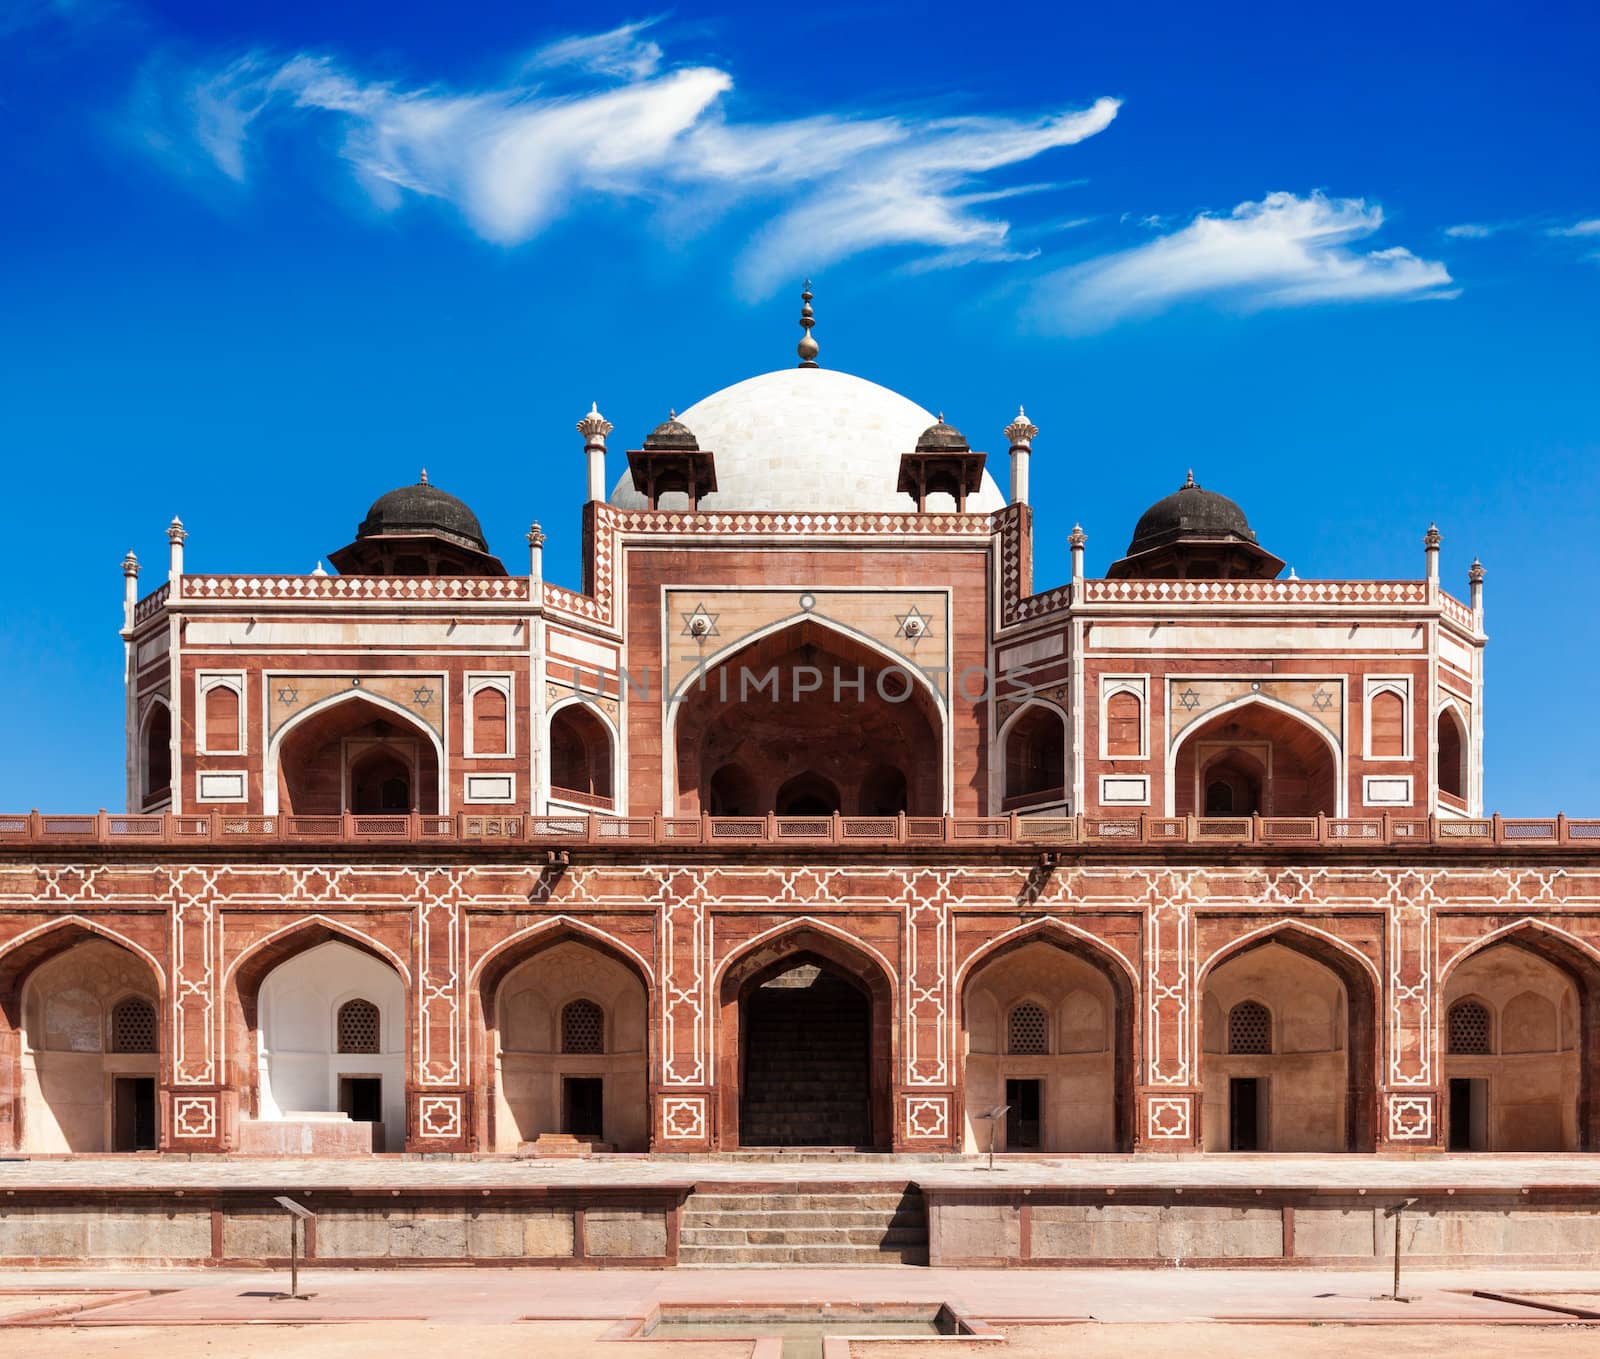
<point x="1076" y="542"/>
<point x="683" y="1085"/>
<point x="439" y="1102"/>
<point x="1411" y="1109"/>
<point x="1430" y="545"/>
<point x="130" y="590"/>
<point x="1475" y="574"/>
<point x="535" y="559"/>
<point x="927" y="1113"/>
<point x="199" y="1106"/>
<point x="594" y="427"/>
<point x="1020" y="433"/>
<point x="1167" y="1107"/>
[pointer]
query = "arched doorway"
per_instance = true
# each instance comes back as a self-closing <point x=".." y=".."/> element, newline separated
<point x="318" y="1043"/>
<point x="580" y="755"/>
<point x="155" y="755"/>
<point x="1035" y="758"/>
<point x="568" y="1028"/>
<point x="805" y="1046"/>
<point x="1515" y="1059"/>
<point x="356" y="755"/>
<point x="84" y="1034"/>
<point x="1257" y="758"/>
<point x="1454" y="777"/>
<point x="1047" y="1026"/>
<point x="759" y="731"/>
<point x="1288" y="1048"/>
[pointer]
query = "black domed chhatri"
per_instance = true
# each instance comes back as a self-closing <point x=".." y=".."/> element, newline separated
<point x="418" y="530"/>
<point x="673" y="434"/>
<point x="1195" y="533"/>
<point x="423" y="509"/>
<point x="941" y="438"/>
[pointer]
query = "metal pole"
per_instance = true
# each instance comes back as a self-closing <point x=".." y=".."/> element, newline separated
<point x="294" y="1256"/>
<point x="1397" y="1218"/>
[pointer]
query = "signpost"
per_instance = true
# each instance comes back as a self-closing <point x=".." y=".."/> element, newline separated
<point x="1396" y="1213"/>
<point x="297" y="1215"/>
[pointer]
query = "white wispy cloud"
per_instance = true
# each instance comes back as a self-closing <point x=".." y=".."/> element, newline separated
<point x="1474" y="231"/>
<point x="1591" y="227"/>
<point x="605" y="115"/>
<point x="1284" y="251"/>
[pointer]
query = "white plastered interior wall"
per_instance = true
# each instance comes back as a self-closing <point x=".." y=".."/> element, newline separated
<point x="297" y="1035"/>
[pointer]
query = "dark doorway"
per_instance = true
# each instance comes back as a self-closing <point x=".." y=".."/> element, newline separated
<point x="806" y="1079"/>
<point x="583" y="1106"/>
<point x="1023" y="1124"/>
<point x="379" y="783"/>
<point x="1469" y="1113"/>
<point x="361" y="1097"/>
<point x="1244" y="1113"/>
<point x="133" y="1120"/>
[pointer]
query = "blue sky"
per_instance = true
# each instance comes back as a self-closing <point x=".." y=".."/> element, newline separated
<point x="259" y="263"/>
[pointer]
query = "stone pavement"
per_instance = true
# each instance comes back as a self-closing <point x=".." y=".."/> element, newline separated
<point x="490" y="1297"/>
<point x="1231" y="1171"/>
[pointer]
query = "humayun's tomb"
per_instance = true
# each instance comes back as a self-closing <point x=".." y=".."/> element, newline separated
<point x="808" y="820"/>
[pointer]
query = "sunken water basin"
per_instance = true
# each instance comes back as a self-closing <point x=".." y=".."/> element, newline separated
<point x="803" y="1327"/>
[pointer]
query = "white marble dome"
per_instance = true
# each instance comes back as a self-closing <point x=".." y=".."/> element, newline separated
<point x="807" y="439"/>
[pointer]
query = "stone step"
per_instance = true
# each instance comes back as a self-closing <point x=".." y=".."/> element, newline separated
<point x="789" y="1236"/>
<point x="802" y="1255"/>
<point x="846" y="1202"/>
<point x="800" y="1220"/>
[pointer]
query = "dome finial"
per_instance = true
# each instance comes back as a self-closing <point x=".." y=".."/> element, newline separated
<point x="423" y="479"/>
<point x="808" y="348"/>
<point x="1189" y="483"/>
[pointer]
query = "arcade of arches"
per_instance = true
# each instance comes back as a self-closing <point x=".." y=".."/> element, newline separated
<point x="1254" y="759"/>
<point x="759" y="732"/>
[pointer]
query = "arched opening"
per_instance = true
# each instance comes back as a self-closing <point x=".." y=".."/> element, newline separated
<point x="357" y="756"/>
<point x="1452" y="756"/>
<point x="1035" y="758"/>
<point x="222" y="718"/>
<point x="804" y="1055"/>
<point x="807" y="794"/>
<point x="490" y="721"/>
<point x="1289" y="1048"/>
<point x="1512" y="1053"/>
<point x="732" y="793"/>
<point x="774" y="710"/>
<point x="79" y="1031"/>
<point x="1048" y="1032"/>
<point x="156" y="756"/>
<point x="1386" y="724"/>
<point x="568" y="1027"/>
<point x="1255" y="758"/>
<point x="1124" y="725"/>
<point x="883" y="791"/>
<point x="320" y="1048"/>
<point x="580" y="755"/>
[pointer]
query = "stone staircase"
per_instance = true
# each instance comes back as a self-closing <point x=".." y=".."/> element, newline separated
<point x="805" y="1066"/>
<point x="809" y="1225"/>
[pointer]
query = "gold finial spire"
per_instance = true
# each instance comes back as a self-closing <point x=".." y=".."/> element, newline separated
<point x="1187" y="485"/>
<point x="423" y="479"/>
<point x="808" y="348"/>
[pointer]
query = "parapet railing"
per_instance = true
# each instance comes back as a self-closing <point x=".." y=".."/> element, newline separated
<point x="725" y="832"/>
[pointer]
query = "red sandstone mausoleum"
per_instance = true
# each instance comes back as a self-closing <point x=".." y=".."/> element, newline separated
<point x="810" y="819"/>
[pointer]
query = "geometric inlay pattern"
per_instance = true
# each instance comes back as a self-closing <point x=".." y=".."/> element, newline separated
<point x="1469" y="1029"/>
<point x="133" y="1025"/>
<point x="582" y="1027"/>
<point x="358" y="1026"/>
<point x="1249" y="1028"/>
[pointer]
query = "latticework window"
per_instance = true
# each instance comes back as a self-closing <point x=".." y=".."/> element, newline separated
<point x="1028" y="1030"/>
<point x="582" y="1027"/>
<point x="1249" y="1028"/>
<point x="1469" y="1029"/>
<point x="358" y="1026"/>
<point x="133" y="1025"/>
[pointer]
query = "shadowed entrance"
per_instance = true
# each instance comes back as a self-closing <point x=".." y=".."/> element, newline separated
<point x="806" y="1062"/>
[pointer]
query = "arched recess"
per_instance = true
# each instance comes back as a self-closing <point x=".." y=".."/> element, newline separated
<point x="583" y="754"/>
<point x="1540" y="1098"/>
<point x="771" y="706"/>
<point x="1316" y="1090"/>
<point x="1031" y="756"/>
<point x="834" y="998"/>
<point x="64" y="1084"/>
<point x="528" y="1084"/>
<point x="1086" y="1080"/>
<point x="1455" y="776"/>
<point x="312" y="760"/>
<point x="155" y="754"/>
<point x="1293" y="762"/>
<point x="282" y="998"/>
